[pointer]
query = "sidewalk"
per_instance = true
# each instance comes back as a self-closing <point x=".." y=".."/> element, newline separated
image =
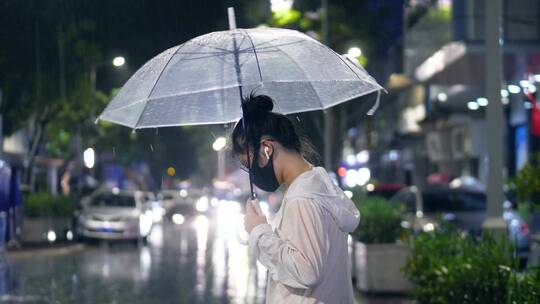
<point x="46" y="249"/>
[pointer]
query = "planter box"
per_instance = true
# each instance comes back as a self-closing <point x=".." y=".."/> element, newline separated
<point x="35" y="229"/>
<point x="378" y="268"/>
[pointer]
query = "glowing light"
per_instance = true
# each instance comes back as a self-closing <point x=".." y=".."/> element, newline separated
<point x="472" y="105"/>
<point x="504" y="93"/>
<point x="351" y="178"/>
<point x="89" y="158"/>
<point x="514" y="89"/>
<point x="429" y="227"/>
<point x="342" y="171"/>
<point x="393" y="155"/>
<point x="363" y="157"/>
<point x="482" y="101"/>
<point x="440" y="60"/>
<point x="354" y="52"/>
<point x="531" y="88"/>
<point x="505" y="100"/>
<point x="214" y="202"/>
<point x="178" y="219"/>
<point x="348" y="193"/>
<point x="370" y="187"/>
<point x="69" y="235"/>
<point x="171" y="171"/>
<point x="51" y="236"/>
<point x="363" y="177"/>
<point x="442" y="97"/>
<point x="183" y="193"/>
<point x="119" y="61"/>
<point x="219" y="143"/>
<point x="145" y="223"/>
<point x="201" y="223"/>
<point x="280" y="5"/>
<point x="115" y="190"/>
<point x="351" y="160"/>
<point x="524" y="83"/>
<point x="202" y="204"/>
<point x="537" y="77"/>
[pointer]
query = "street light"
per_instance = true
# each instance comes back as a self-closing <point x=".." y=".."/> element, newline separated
<point x="119" y="61"/>
<point x="89" y="157"/>
<point x="280" y="5"/>
<point x="219" y="144"/>
<point x="354" y="52"/>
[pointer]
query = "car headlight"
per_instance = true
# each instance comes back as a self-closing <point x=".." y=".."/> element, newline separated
<point x="178" y="219"/>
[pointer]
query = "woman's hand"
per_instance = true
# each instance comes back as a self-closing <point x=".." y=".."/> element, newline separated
<point x="254" y="215"/>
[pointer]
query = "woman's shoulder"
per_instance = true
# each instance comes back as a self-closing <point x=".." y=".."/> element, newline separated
<point x="310" y="184"/>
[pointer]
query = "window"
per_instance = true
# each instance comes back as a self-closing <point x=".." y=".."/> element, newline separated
<point x="108" y="200"/>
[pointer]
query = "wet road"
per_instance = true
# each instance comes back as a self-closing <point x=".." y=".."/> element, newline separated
<point x="199" y="261"/>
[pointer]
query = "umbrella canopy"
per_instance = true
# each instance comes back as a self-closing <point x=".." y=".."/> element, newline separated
<point x="201" y="81"/>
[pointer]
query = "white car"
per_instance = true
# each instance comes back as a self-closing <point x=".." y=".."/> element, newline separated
<point x="115" y="215"/>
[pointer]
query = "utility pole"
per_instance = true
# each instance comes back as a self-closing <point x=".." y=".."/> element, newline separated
<point x="493" y="70"/>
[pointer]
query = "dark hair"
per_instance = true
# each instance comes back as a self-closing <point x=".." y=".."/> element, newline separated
<point x="260" y="121"/>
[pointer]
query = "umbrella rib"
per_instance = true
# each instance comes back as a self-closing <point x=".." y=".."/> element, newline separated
<point x="256" y="57"/>
<point x="278" y="45"/>
<point x="340" y="58"/>
<point x="208" y="46"/>
<point x="305" y="74"/>
<point x="155" y="84"/>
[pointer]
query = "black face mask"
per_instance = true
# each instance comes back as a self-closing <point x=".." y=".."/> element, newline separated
<point x="264" y="177"/>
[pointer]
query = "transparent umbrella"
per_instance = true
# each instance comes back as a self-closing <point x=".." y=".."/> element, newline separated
<point x="201" y="81"/>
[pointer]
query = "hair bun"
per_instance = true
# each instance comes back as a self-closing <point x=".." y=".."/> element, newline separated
<point x="255" y="106"/>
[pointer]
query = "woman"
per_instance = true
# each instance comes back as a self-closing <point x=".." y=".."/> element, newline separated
<point x="305" y="245"/>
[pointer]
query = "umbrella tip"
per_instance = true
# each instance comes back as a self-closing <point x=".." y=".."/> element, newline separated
<point x="232" y="18"/>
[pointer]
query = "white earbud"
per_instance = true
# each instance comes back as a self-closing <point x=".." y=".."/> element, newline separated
<point x="266" y="152"/>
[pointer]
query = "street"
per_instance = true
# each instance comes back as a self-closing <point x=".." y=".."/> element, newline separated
<point x="189" y="263"/>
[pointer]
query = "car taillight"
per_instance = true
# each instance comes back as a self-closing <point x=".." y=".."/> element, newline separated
<point x="524" y="228"/>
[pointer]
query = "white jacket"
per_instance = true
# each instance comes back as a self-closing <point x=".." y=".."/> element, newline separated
<point x="305" y="245"/>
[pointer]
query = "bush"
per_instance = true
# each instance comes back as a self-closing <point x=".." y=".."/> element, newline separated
<point x="380" y="220"/>
<point x="526" y="183"/>
<point x="43" y="204"/>
<point x="448" y="268"/>
<point x="525" y="288"/>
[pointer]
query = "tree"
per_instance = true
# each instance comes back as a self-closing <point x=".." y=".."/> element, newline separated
<point x="375" y="27"/>
<point x="48" y="72"/>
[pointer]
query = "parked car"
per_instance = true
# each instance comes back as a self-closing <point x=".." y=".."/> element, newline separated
<point x="115" y="215"/>
<point x="385" y="190"/>
<point x="464" y="208"/>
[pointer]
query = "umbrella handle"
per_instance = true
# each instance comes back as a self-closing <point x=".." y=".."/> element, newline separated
<point x="232" y="26"/>
<point x="252" y="192"/>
